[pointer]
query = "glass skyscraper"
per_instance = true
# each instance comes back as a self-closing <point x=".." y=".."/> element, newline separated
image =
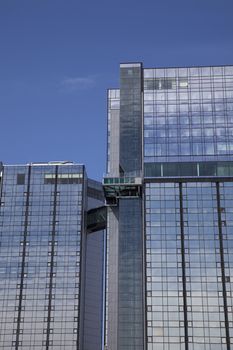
<point x="52" y="224"/>
<point x="162" y="244"/>
<point x="169" y="192"/>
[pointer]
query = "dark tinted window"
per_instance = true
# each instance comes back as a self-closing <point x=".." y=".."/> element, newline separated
<point x="20" y="179"/>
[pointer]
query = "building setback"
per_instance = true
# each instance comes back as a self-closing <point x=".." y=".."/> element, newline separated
<point x="51" y="258"/>
<point x="169" y="191"/>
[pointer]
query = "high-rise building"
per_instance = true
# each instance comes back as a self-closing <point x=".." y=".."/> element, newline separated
<point x="169" y="246"/>
<point x="52" y="224"/>
<point x="169" y="191"/>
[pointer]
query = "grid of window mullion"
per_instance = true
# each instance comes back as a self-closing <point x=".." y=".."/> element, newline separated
<point x="203" y="275"/>
<point x="130" y="128"/>
<point x="165" y="307"/>
<point x="52" y="260"/>
<point x="64" y="320"/>
<point x="36" y="283"/>
<point x="226" y="195"/>
<point x="194" y="121"/>
<point x="11" y="234"/>
<point x="24" y="243"/>
<point x="66" y="286"/>
<point x="66" y="326"/>
<point x="113" y="106"/>
<point x="225" y="248"/>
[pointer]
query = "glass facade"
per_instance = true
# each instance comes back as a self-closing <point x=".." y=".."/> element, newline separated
<point x="188" y="114"/>
<point x="189" y="299"/>
<point x="186" y="206"/>
<point x="188" y="119"/>
<point x="165" y="307"/>
<point x="130" y="138"/>
<point x="130" y="279"/>
<point x="94" y="267"/>
<point x="42" y="257"/>
<point x="168" y="269"/>
<point x="113" y="132"/>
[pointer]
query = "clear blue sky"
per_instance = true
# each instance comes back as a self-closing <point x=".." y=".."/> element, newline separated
<point x="58" y="57"/>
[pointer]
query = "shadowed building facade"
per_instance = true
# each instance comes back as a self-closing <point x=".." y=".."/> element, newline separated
<point x="51" y="258"/>
<point x="169" y="191"/>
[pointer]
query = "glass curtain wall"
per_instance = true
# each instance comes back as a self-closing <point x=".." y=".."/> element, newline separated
<point x="188" y="114"/>
<point x="189" y="265"/>
<point x="40" y="238"/>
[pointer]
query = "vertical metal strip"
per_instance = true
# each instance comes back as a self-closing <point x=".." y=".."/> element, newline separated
<point x="144" y="271"/>
<point x="52" y="259"/>
<point x="1" y="182"/>
<point x="105" y="262"/>
<point x="220" y="235"/>
<point x="82" y="257"/>
<point x="183" y="266"/>
<point x="23" y="258"/>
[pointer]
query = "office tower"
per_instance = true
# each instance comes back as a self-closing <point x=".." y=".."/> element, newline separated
<point x="169" y="191"/>
<point x="51" y="257"/>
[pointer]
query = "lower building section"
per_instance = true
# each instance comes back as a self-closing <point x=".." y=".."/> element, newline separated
<point x="93" y="309"/>
<point x="51" y="275"/>
<point x="125" y="286"/>
<point x="189" y="259"/>
<point x="112" y="258"/>
<point x="41" y="230"/>
<point x="188" y="241"/>
<point x="130" y="275"/>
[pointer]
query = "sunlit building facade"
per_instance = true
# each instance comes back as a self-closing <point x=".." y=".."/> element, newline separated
<point x="169" y="192"/>
<point x="168" y="268"/>
<point x="51" y="258"/>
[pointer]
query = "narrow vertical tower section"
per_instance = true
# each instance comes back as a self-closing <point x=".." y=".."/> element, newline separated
<point x="125" y="301"/>
<point x="130" y="266"/>
<point x="130" y="119"/>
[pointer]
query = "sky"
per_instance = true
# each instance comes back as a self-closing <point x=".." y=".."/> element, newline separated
<point x="59" y="57"/>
